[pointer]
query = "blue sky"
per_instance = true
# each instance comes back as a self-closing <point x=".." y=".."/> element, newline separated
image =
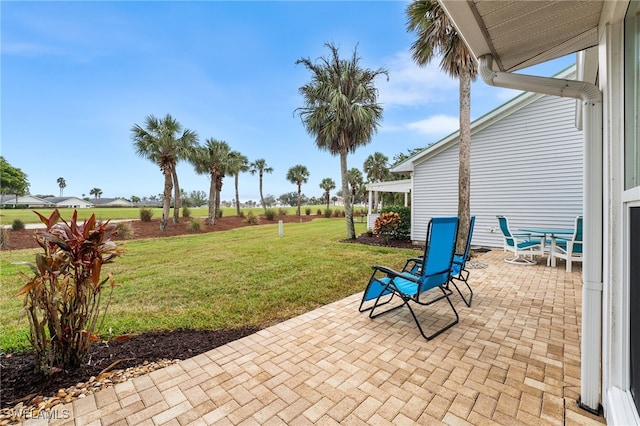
<point x="76" y="76"/>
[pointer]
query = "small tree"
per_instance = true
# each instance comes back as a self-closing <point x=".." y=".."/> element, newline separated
<point x="62" y="300"/>
<point x="298" y="175"/>
<point x="327" y="185"/>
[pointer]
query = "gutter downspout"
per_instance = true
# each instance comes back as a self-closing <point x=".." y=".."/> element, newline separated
<point x="592" y="270"/>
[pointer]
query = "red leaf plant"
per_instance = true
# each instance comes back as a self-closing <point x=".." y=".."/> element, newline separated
<point x="62" y="301"/>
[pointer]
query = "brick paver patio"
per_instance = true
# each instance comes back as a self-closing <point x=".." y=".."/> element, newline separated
<point x="514" y="358"/>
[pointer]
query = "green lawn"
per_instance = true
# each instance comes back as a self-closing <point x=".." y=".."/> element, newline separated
<point x="246" y="276"/>
<point x="7" y="216"/>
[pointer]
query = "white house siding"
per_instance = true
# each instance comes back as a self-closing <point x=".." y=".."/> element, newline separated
<point x="526" y="165"/>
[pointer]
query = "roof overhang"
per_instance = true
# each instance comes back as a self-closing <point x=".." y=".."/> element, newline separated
<point x="519" y="34"/>
<point x="390" y="186"/>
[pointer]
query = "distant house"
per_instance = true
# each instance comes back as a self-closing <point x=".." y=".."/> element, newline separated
<point x="24" y="200"/>
<point x="69" y="202"/>
<point x="111" y="202"/>
<point x="513" y="171"/>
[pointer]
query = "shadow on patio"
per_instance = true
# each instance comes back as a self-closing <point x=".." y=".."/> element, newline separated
<point x="514" y="358"/>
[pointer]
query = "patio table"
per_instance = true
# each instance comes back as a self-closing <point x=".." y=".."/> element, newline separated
<point x="552" y="233"/>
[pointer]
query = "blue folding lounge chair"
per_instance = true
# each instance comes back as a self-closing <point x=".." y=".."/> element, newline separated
<point x="570" y="249"/>
<point x="424" y="289"/>
<point x="524" y="246"/>
<point x="458" y="271"/>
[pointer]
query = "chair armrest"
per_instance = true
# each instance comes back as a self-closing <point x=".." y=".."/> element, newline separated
<point x="392" y="273"/>
<point x="413" y="265"/>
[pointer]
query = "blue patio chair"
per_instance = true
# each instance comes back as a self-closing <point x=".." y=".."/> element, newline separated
<point x="524" y="246"/>
<point x="570" y="249"/>
<point x="458" y="271"/>
<point x="425" y="288"/>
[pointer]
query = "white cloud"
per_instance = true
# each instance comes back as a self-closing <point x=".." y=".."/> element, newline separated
<point x="410" y="84"/>
<point x="436" y="125"/>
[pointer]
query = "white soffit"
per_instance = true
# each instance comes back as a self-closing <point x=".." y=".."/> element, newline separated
<point x="390" y="186"/>
<point x="519" y="33"/>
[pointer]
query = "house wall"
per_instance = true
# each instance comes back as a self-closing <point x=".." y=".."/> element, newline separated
<point x="526" y="166"/>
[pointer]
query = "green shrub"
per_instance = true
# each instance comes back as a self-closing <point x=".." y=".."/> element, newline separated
<point x="186" y="212"/>
<point x="124" y="230"/>
<point x="194" y="225"/>
<point x="62" y="301"/>
<point x="319" y="212"/>
<point x="146" y="214"/>
<point x="17" y="225"/>
<point x="327" y="213"/>
<point x="403" y="232"/>
<point x="4" y="237"/>
<point x="307" y="211"/>
<point x="282" y="212"/>
<point x="270" y="214"/>
<point x="252" y="218"/>
<point x="336" y="213"/>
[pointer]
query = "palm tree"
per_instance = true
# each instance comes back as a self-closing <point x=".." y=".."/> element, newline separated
<point x="341" y="111"/>
<point x="260" y="166"/>
<point x="354" y="176"/>
<point x="327" y="185"/>
<point x="160" y="141"/>
<point x="62" y="184"/>
<point x="237" y="163"/>
<point x="436" y="36"/>
<point x="96" y="192"/>
<point x="298" y="174"/>
<point x="212" y="159"/>
<point x="376" y="169"/>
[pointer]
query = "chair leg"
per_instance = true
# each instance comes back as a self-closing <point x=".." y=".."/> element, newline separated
<point x="377" y="304"/>
<point x="464" y="278"/>
<point x="521" y="260"/>
<point x="443" y="329"/>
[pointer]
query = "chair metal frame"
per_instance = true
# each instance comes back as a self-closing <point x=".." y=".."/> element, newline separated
<point x="385" y="284"/>
<point x="458" y="269"/>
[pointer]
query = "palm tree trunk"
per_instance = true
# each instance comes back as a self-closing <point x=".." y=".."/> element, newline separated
<point x="166" y="200"/>
<point x="261" y="197"/>
<point x="176" y="191"/>
<point x="464" y="172"/>
<point x="237" y="196"/>
<point x="299" y="194"/>
<point x="211" y="219"/>
<point x="218" y="191"/>
<point x="348" y="212"/>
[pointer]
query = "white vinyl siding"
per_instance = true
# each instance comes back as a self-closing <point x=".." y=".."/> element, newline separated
<point x="527" y="165"/>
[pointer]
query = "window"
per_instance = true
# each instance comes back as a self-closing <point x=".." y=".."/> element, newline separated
<point x="632" y="95"/>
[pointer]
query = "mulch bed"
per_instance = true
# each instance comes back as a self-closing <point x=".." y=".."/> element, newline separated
<point x="19" y="382"/>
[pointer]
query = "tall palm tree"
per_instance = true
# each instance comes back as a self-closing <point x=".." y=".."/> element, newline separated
<point x="165" y="142"/>
<point x="212" y="159"/>
<point x="341" y="110"/>
<point x="237" y="163"/>
<point x="327" y="185"/>
<point x="377" y="169"/>
<point x="298" y="174"/>
<point x="96" y="192"/>
<point x="436" y="36"/>
<point x="260" y="166"/>
<point x="62" y="184"/>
